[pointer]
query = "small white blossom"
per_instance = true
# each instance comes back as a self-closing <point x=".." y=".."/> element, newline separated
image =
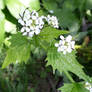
<point x="25" y="33"/>
<point x="23" y="29"/>
<point x="34" y="15"/>
<point x="21" y="22"/>
<point x="65" y="44"/>
<point x="26" y="15"/>
<point x="88" y="86"/>
<point x="90" y="89"/>
<point x="29" y="22"/>
<point x="31" y="34"/>
<point x="43" y="17"/>
<point x="68" y="38"/>
<point x="62" y="37"/>
<point x="37" y="31"/>
<point x="53" y="21"/>
<point x="27" y="29"/>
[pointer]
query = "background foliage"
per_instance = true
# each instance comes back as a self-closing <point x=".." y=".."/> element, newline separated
<point x="41" y="68"/>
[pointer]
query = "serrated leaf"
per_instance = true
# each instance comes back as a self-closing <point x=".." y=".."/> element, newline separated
<point x="66" y="62"/>
<point x="15" y="6"/>
<point x="39" y="42"/>
<point x="49" y="33"/>
<point x="74" y="87"/>
<point x="19" y="50"/>
<point x="2" y="31"/>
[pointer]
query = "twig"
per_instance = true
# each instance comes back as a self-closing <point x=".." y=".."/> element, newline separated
<point x="89" y="25"/>
<point x="52" y="84"/>
<point x="84" y="25"/>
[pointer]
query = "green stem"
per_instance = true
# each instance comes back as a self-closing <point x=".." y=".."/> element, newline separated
<point x="78" y="46"/>
<point x="69" y="76"/>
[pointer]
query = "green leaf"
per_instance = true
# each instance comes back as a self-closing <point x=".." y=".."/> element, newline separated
<point x="49" y="33"/>
<point x="72" y="4"/>
<point x="81" y="5"/>
<point x="19" y="50"/>
<point x="2" y="5"/>
<point x="74" y="87"/>
<point x="10" y="27"/>
<point x="2" y="31"/>
<point x="74" y="29"/>
<point x="15" y="6"/>
<point x="80" y="36"/>
<point x="64" y="63"/>
<point x="89" y="4"/>
<point x="66" y="18"/>
<point x="33" y="4"/>
<point x="50" y="5"/>
<point x="69" y="5"/>
<point x="39" y="42"/>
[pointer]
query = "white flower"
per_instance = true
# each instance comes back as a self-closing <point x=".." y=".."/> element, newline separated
<point x="88" y="86"/>
<point x="39" y="22"/>
<point x="21" y="22"/>
<point x="34" y="15"/>
<point x="53" y="21"/>
<point x="23" y="29"/>
<point x="65" y="44"/>
<point x="25" y="33"/>
<point x="29" y="22"/>
<point x="90" y="89"/>
<point x="26" y="15"/>
<point x="27" y="29"/>
<point x="37" y="31"/>
<point x="43" y="17"/>
<point x="62" y="37"/>
<point x="68" y="38"/>
<point x="31" y="34"/>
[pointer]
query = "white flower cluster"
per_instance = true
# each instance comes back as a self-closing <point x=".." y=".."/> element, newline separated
<point x="52" y="20"/>
<point x="65" y="44"/>
<point x="32" y="23"/>
<point x="88" y="86"/>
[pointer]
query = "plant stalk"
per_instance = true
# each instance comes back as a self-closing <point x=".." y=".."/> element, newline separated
<point x="69" y="76"/>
